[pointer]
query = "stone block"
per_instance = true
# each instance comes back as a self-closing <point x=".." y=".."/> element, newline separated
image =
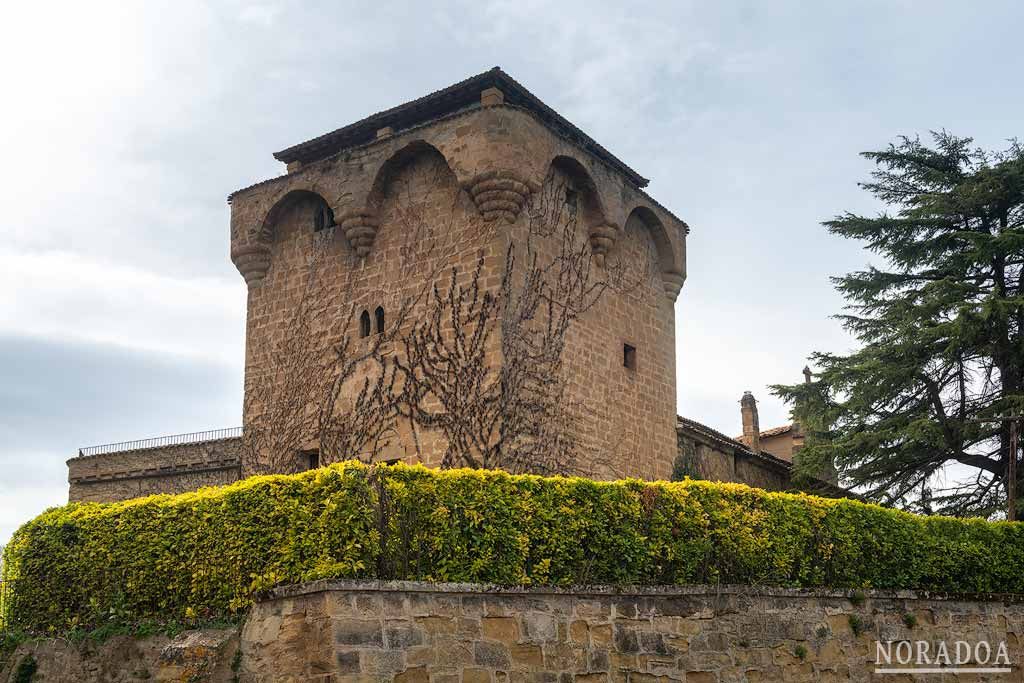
<point x="601" y="635"/>
<point x="626" y="639"/>
<point x="539" y="627"/>
<point x="473" y="675"/>
<point x="653" y="642"/>
<point x="659" y="666"/>
<point x="402" y="636"/>
<point x="437" y="625"/>
<point x="450" y="653"/>
<point x="706" y="677"/>
<point x="445" y="677"/>
<point x="651" y="678"/>
<point x="414" y="675"/>
<point x="358" y="632"/>
<point x="592" y="610"/>
<point x="560" y="656"/>
<point x="348" y="661"/>
<point x="383" y="662"/>
<point x="420" y="656"/>
<point x="504" y="629"/>
<point x="526" y="655"/>
<point x="491" y="655"/>
<point x="597" y="660"/>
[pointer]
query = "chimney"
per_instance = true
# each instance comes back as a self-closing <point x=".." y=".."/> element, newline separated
<point x="491" y="97"/>
<point x="751" y="428"/>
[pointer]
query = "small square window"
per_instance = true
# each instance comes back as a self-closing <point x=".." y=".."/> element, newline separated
<point x="629" y="357"/>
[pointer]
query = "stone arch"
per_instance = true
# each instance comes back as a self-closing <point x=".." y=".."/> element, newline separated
<point x="360" y="225"/>
<point x="672" y="275"/>
<point x="364" y="324"/>
<point x="601" y="232"/>
<point x="267" y="232"/>
<point x="582" y="182"/>
<point x="394" y="164"/>
<point x="252" y="258"/>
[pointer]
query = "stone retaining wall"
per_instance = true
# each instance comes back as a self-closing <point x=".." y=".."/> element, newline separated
<point x="208" y="656"/>
<point x="417" y="632"/>
<point x="332" y="632"/>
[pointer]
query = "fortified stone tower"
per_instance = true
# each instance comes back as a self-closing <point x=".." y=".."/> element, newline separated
<point x="460" y="167"/>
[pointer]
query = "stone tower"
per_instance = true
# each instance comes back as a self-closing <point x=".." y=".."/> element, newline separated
<point x="465" y="162"/>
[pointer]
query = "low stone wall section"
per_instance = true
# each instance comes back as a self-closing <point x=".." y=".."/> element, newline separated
<point x="179" y="468"/>
<point x="335" y="632"/>
<point x="445" y="633"/>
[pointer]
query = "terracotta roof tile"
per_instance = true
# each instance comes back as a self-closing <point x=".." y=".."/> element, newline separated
<point x="774" y="431"/>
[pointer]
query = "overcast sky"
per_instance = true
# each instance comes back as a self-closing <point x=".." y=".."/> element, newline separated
<point x="125" y="126"/>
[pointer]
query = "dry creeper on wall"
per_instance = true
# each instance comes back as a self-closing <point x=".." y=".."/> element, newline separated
<point x="480" y="364"/>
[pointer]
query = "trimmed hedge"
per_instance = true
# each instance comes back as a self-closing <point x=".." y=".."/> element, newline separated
<point x="205" y="554"/>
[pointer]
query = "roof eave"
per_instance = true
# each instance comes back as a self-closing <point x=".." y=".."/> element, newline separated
<point x="460" y="95"/>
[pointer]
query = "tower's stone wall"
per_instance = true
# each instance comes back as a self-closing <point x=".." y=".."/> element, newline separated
<point x="469" y="177"/>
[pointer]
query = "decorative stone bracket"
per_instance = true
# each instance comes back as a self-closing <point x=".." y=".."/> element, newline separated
<point x="360" y="228"/>
<point x="673" y="283"/>
<point x="500" y="194"/>
<point x="252" y="261"/>
<point x="602" y="238"/>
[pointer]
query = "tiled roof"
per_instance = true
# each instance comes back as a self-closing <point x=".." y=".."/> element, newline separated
<point x="723" y="440"/>
<point x="774" y="431"/>
<point x="462" y="95"/>
<point x="821" y="487"/>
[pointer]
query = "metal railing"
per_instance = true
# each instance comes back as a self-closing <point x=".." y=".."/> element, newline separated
<point x="157" y="442"/>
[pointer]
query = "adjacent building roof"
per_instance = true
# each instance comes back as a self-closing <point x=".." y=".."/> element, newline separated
<point x="462" y="95"/>
<point x="774" y="431"/>
<point x="721" y="439"/>
<point x="820" y="486"/>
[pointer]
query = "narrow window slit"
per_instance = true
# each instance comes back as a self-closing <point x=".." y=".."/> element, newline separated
<point x="364" y="324"/>
<point x="323" y="218"/>
<point x="629" y="357"/>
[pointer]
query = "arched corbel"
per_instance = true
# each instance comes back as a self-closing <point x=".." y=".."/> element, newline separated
<point x="360" y="228"/>
<point x="673" y="284"/>
<point x="500" y="193"/>
<point x="602" y="238"/>
<point x="671" y="261"/>
<point x="252" y="261"/>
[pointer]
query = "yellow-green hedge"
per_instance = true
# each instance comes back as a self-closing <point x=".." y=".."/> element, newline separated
<point x="207" y="553"/>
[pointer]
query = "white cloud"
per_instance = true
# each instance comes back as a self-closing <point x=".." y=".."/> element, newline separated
<point x="263" y="14"/>
<point x="65" y="296"/>
<point x="125" y="125"/>
<point x="17" y="506"/>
